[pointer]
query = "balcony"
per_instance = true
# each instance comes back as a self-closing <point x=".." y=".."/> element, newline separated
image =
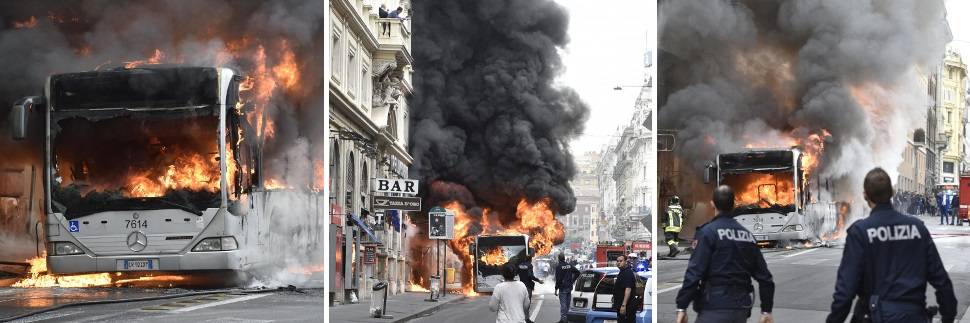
<point x="392" y="34"/>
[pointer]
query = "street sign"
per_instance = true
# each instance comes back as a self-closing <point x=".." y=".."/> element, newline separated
<point x="396" y="185"/>
<point x="370" y="255"/>
<point x="397" y="203"/>
<point x="441" y="223"/>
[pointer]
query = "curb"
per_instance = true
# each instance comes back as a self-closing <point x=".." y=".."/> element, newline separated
<point x="427" y="310"/>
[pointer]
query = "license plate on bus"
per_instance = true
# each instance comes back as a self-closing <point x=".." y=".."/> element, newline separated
<point x="138" y="264"/>
<point x="609" y="321"/>
<point x="760" y="237"/>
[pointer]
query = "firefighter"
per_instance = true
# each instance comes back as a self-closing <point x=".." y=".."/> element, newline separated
<point x="718" y="277"/>
<point x="566" y="274"/>
<point x="887" y="261"/>
<point x="672" y="225"/>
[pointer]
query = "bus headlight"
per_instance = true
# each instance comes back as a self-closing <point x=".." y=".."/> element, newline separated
<point x="66" y="248"/>
<point x="792" y="228"/>
<point x="216" y="244"/>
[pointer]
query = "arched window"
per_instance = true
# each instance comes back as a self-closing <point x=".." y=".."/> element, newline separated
<point x="919" y="136"/>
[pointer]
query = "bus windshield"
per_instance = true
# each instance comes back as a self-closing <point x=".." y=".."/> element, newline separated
<point x="103" y="161"/>
<point x="762" y="192"/>
<point x="493" y="252"/>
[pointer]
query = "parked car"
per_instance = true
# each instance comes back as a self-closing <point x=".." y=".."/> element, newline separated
<point x="592" y="297"/>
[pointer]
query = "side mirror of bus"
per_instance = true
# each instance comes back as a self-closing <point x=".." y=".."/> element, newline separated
<point x="709" y="173"/>
<point x="20" y="115"/>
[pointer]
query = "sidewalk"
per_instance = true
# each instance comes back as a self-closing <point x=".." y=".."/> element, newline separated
<point x="402" y="307"/>
<point x="933" y="224"/>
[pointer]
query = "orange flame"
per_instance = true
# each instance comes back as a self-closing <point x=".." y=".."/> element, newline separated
<point x="537" y="220"/>
<point x="287" y="72"/>
<point x="40" y="278"/>
<point x="156" y="58"/>
<point x="495" y="257"/>
<point x="29" y="23"/>
<point x="416" y="288"/>
<point x="189" y="171"/>
<point x="763" y="190"/>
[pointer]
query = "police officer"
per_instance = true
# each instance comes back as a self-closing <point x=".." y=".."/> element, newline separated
<point x="887" y="261"/>
<point x="566" y="274"/>
<point x="673" y="223"/>
<point x="527" y="276"/>
<point x="625" y="301"/>
<point x="718" y="277"/>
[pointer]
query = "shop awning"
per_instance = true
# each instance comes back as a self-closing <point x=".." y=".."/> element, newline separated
<point x="363" y="226"/>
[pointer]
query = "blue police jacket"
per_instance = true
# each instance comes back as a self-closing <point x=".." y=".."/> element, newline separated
<point x="892" y="256"/>
<point x="721" y="268"/>
<point x="565" y="276"/>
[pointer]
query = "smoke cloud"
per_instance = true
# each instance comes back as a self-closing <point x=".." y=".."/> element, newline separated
<point x="775" y="73"/>
<point x="489" y="127"/>
<point x="486" y="113"/>
<point x="256" y="38"/>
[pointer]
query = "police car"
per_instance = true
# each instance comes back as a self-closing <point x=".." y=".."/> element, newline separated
<point x="592" y="297"/>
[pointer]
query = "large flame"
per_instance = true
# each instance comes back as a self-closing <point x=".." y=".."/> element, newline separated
<point x="494" y="257"/>
<point x="190" y="171"/>
<point x="535" y="219"/>
<point x="762" y="190"/>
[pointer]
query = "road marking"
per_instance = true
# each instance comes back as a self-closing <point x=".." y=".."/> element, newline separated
<point x="535" y="312"/>
<point x="668" y="289"/>
<point x="51" y="315"/>
<point x="228" y="301"/>
<point x="800" y="253"/>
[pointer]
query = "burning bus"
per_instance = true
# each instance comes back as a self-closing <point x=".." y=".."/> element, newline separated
<point x="772" y="198"/>
<point x="153" y="168"/>
<point x="492" y="252"/>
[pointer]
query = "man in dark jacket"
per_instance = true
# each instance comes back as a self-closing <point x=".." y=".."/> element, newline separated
<point x="718" y="277"/>
<point x="526" y="274"/>
<point x="887" y="261"/>
<point x="566" y="274"/>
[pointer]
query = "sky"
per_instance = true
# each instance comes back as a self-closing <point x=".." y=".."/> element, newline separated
<point x="958" y="15"/>
<point x="608" y="40"/>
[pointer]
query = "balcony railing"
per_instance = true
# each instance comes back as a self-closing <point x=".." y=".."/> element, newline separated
<point x="392" y="31"/>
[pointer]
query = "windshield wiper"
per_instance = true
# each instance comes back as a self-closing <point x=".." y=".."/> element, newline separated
<point x="181" y="207"/>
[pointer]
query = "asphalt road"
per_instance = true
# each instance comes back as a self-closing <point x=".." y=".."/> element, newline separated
<point x="805" y="278"/>
<point x="545" y="308"/>
<point x="235" y="306"/>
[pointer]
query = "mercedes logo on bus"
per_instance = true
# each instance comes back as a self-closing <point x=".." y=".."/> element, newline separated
<point x="137" y="241"/>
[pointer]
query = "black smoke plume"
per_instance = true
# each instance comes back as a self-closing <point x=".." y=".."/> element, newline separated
<point x="486" y="112"/>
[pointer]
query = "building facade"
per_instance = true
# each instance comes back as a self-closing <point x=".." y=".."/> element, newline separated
<point x="951" y="117"/>
<point x="581" y="225"/>
<point x="369" y="82"/>
<point x="607" y="193"/>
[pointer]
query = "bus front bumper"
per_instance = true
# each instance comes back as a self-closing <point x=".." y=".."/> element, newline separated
<point x="215" y="260"/>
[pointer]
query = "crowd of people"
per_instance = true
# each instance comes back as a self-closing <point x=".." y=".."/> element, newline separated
<point x="942" y="203"/>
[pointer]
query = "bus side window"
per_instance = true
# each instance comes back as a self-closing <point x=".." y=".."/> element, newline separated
<point x="237" y="134"/>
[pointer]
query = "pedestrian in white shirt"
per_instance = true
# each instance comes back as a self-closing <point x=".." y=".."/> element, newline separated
<point x="510" y="299"/>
